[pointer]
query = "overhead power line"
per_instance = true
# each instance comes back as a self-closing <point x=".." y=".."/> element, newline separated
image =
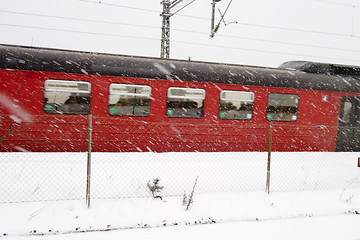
<point x="337" y="3"/>
<point x="179" y="30"/>
<point x="78" y="32"/>
<point x="298" y="30"/>
<point x="238" y="22"/>
<point x="156" y="27"/>
<point x="264" y="51"/>
<point x="119" y="5"/>
<point x="180" y="42"/>
<point x="79" y="19"/>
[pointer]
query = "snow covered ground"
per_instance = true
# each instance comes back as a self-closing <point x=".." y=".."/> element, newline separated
<point x="325" y="211"/>
<point x="253" y="215"/>
<point x="300" y="228"/>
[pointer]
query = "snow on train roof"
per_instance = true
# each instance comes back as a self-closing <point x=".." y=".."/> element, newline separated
<point x="322" y="68"/>
<point x="54" y="60"/>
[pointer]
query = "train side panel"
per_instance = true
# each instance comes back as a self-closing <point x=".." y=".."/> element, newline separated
<point x="315" y="128"/>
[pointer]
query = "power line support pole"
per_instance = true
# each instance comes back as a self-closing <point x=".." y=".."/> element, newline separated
<point x="213" y="19"/>
<point x="165" y="36"/>
<point x="214" y="28"/>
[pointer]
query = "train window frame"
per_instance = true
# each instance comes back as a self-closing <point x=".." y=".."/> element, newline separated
<point x="67" y="97"/>
<point x="241" y="98"/>
<point x="181" y="102"/>
<point x="134" y="100"/>
<point x="282" y="112"/>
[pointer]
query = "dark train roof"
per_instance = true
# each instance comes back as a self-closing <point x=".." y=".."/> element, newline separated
<point x="53" y="60"/>
<point x="322" y="68"/>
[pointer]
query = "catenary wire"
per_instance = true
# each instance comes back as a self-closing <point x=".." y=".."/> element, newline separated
<point x="181" y="42"/>
<point x="77" y="19"/>
<point x="118" y="5"/>
<point x="263" y="51"/>
<point x="237" y="22"/>
<point x="178" y="30"/>
<point x="337" y="3"/>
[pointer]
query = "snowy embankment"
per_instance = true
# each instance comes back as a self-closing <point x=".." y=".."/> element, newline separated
<point x="49" y="218"/>
<point x="231" y="187"/>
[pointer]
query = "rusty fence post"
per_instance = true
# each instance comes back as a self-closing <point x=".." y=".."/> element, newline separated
<point x="88" y="172"/>
<point x="269" y="158"/>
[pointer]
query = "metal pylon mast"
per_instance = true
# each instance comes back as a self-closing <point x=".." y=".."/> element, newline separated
<point x="165" y="36"/>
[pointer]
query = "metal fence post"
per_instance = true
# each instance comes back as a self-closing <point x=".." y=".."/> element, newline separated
<point x="269" y="158"/>
<point x="88" y="173"/>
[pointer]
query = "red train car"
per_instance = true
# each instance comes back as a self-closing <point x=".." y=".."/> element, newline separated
<point x="149" y="104"/>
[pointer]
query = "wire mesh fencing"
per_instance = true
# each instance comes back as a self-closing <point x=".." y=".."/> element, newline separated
<point x="38" y="176"/>
<point x="309" y="171"/>
<point x="51" y="176"/>
<point x="127" y="175"/>
<point x="62" y="176"/>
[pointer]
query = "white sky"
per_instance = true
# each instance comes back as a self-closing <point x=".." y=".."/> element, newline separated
<point x="267" y="32"/>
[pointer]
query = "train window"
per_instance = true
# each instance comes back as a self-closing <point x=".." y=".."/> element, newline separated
<point x="129" y="100"/>
<point x="346" y="114"/>
<point x="236" y="105"/>
<point x="282" y="107"/>
<point x="67" y="97"/>
<point x="185" y="102"/>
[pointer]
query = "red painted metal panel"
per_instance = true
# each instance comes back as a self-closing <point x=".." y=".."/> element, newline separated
<point x="314" y="130"/>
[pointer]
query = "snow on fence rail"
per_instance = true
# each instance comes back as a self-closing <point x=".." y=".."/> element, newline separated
<point x="62" y="176"/>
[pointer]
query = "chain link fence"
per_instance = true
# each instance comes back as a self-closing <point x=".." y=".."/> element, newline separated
<point x="51" y="176"/>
